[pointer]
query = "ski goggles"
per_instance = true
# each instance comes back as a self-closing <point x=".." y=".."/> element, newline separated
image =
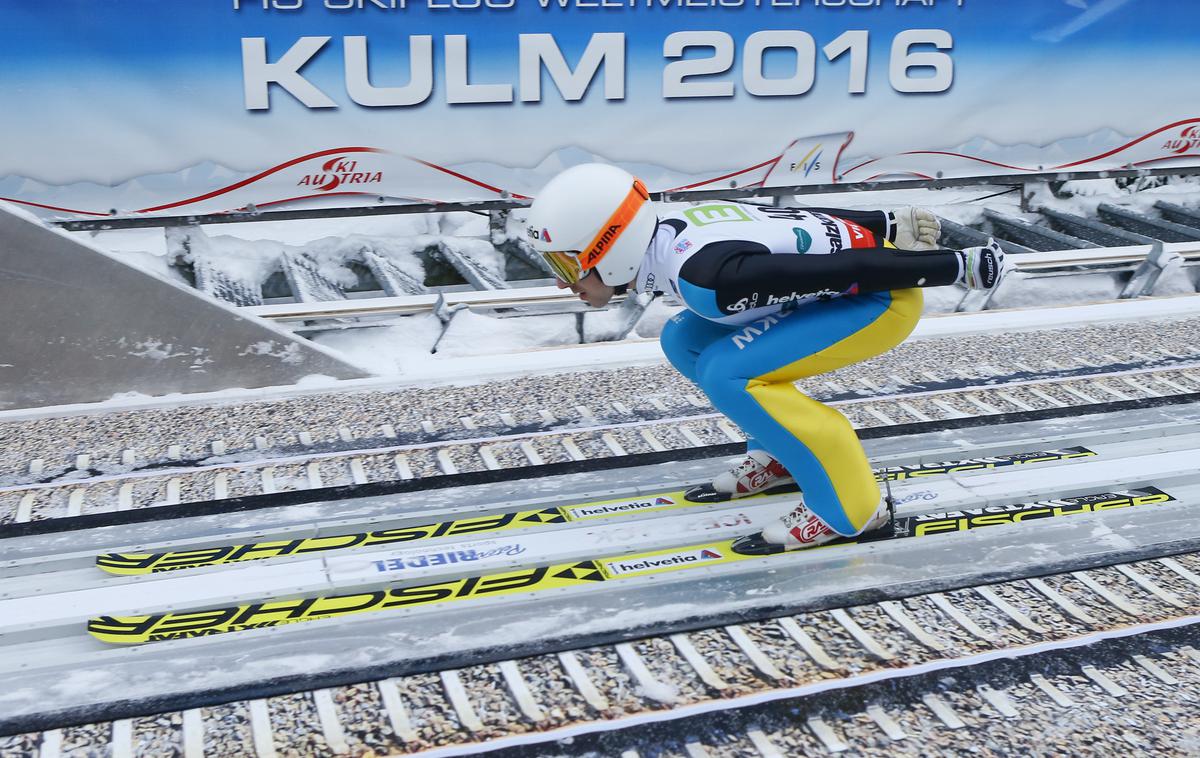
<point x="565" y="265"/>
<point x="572" y="265"/>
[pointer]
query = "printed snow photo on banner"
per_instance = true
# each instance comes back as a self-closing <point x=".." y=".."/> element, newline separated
<point x="201" y="108"/>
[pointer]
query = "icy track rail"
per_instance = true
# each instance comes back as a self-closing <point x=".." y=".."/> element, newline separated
<point x="84" y="497"/>
<point x="644" y="655"/>
<point x="901" y="645"/>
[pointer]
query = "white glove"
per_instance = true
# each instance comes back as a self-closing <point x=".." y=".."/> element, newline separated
<point x="916" y="228"/>
<point x="983" y="268"/>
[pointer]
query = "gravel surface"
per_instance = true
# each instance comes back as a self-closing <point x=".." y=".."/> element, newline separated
<point x="9" y="503"/>
<point x="227" y="731"/>
<point x="493" y="701"/>
<point x="1004" y="631"/>
<point x="429" y="710"/>
<point x="1145" y="721"/>
<point x="957" y="641"/>
<point x="364" y="721"/>
<point x="1150" y="607"/>
<point x="296" y="726"/>
<point x="837" y="642"/>
<point x="86" y="741"/>
<point x="1169" y="580"/>
<point x="553" y="689"/>
<point x="783" y="651"/>
<point x="608" y="675"/>
<point x="1035" y="606"/>
<point x="891" y="636"/>
<point x="1093" y="604"/>
<point x="668" y="666"/>
<point x="1099" y="725"/>
<point x="464" y="458"/>
<point x="1190" y="561"/>
<point x="149" y="433"/>
<point x="19" y="745"/>
<point x="726" y="660"/>
<point x="158" y="735"/>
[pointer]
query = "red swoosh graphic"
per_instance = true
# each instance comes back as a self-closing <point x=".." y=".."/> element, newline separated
<point x="941" y="152"/>
<point x="726" y="176"/>
<point x="1101" y="156"/>
<point x="889" y="173"/>
<point x="774" y="165"/>
<point x="256" y="177"/>
<point x="1143" y="138"/>
<point x="50" y="207"/>
<point x="838" y="157"/>
<point x="465" y="178"/>
<point x="1166" y="158"/>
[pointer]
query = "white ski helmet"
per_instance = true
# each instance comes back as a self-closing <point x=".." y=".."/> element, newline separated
<point x="593" y="216"/>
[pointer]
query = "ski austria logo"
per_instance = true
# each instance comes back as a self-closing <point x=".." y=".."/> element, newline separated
<point x="339" y="172"/>
<point x="1188" y="139"/>
<point x="664" y="561"/>
<point x="607" y="509"/>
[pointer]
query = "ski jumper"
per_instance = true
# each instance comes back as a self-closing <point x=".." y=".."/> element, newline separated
<point x="776" y="294"/>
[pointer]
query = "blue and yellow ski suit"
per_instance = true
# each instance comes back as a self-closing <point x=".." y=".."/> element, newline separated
<point x="776" y="294"/>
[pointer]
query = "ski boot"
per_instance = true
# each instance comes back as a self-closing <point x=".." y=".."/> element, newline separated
<point x="915" y="229"/>
<point x="983" y="268"/>
<point x="801" y="528"/>
<point x="758" y="472"/>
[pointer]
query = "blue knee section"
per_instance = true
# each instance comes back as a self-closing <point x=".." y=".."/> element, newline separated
<point x="685" y="336"/>
<point x="700" y="299"/>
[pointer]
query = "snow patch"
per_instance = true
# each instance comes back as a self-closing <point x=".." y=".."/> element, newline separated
<point x="287" y="353"/>
<point x="660" y="691"/>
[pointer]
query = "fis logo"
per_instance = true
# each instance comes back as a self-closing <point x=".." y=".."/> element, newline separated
<point x="810" y="162"/>
<point x="339" y="172"/>
<point x="661" y="562"/>
<point x="682" y="246"/>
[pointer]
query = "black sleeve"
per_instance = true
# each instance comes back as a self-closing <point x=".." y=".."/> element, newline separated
<point x="748" y="274"/>
<point x="876" y="221"/>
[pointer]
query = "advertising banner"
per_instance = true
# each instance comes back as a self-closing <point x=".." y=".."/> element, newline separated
<point x="166" y="107"/>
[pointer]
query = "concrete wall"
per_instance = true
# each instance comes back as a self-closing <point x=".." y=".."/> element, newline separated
<point x="78" y="325"/>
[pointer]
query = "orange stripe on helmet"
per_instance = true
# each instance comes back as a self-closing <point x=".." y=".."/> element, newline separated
<point x="614" y="226"/>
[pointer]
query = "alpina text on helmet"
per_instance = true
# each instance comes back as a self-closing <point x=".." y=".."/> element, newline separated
<point x="601" y="246"/>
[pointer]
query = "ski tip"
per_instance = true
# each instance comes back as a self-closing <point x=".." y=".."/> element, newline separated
<point x="705" y="493"/>
<point x="754" y="544"/>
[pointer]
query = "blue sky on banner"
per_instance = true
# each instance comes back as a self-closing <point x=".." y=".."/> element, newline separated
<point x="51" y="34"/>
<point x="161" y="80"/>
